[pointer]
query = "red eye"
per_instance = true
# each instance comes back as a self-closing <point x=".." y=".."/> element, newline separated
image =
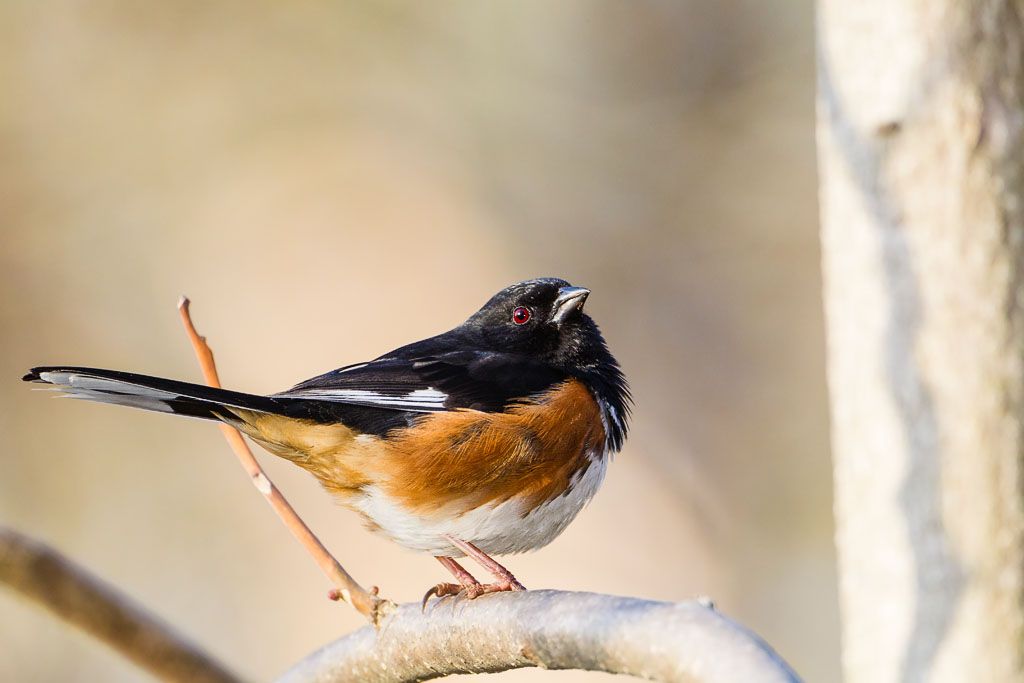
<point x="520" y="315"/>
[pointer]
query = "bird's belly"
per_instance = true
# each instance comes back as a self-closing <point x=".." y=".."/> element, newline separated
<point x="496" y="528"/>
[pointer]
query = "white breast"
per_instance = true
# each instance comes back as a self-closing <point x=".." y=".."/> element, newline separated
<point x="499" y="529"/>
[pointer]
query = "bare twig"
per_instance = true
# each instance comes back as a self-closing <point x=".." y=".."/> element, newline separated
<point x="97" y="608"/>
<point x="686" y="641"/>
<point x="349" y="590"/>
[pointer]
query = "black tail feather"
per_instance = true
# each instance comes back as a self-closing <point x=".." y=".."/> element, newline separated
<point x="150" y="393"/>
<point x="208" y="403"/>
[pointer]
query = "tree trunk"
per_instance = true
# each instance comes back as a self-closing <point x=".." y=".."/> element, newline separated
<point x="920" y="149"/>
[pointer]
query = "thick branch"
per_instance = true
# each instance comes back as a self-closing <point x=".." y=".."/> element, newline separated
<point x="686" y="641"/>
<point x="73" y="594"/>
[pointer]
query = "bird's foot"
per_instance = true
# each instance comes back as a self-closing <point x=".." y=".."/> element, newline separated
<point x="468" y="587"/>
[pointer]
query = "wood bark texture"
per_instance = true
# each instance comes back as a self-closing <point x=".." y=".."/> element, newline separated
<point x="685" y="642"/>
<point x="920" y="118"/>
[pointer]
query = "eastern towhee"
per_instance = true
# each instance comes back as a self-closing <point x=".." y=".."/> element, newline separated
<point x="485" y="440"/>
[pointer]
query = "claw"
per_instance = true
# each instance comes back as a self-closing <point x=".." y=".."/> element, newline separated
<point x="455" y="600"/>
<point x="440" y="590"/>
<point x="426" y="596"/>
<point x="468" y="593"/>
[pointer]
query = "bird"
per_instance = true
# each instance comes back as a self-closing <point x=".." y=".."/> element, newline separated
<point x="487" y="439"/>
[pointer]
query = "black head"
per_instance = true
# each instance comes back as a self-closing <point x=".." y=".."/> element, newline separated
<point x="542" y="318"/>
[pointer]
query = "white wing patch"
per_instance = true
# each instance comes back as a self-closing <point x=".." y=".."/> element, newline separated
<point x="420" y="400"/>
<point x="350" y="368"/>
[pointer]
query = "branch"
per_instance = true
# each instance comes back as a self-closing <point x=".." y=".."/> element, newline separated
<point x="685" y="641"/>
<point x="349" y="590"/>
<point x="97" y="608"/>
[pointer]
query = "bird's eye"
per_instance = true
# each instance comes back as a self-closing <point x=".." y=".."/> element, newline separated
<point x="520" y="315"/>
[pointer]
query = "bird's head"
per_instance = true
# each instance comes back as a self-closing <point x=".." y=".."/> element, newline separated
<point x="542" y="318"/>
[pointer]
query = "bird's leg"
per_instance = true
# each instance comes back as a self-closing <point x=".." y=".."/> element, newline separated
<point x="505" y="580"/>
<point x="466" y="583"/>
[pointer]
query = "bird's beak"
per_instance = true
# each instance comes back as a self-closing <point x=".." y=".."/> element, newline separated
<point x="569" y="299"/>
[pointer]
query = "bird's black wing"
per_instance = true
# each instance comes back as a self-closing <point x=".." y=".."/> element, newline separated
<point x="485" y="380"/>
<point x="383" y="383"/>
<point x="478" y="380"/>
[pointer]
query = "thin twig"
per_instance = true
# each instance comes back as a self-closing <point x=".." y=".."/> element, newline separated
<point x="684" y="641"/>
<point x="70" y="592"/>
<point x="348" y="589"/>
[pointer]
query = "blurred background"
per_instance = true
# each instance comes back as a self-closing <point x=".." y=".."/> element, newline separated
<point x="328" y="181"/>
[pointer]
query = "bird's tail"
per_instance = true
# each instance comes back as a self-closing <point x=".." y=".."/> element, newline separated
<point x="151" y="393"/>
